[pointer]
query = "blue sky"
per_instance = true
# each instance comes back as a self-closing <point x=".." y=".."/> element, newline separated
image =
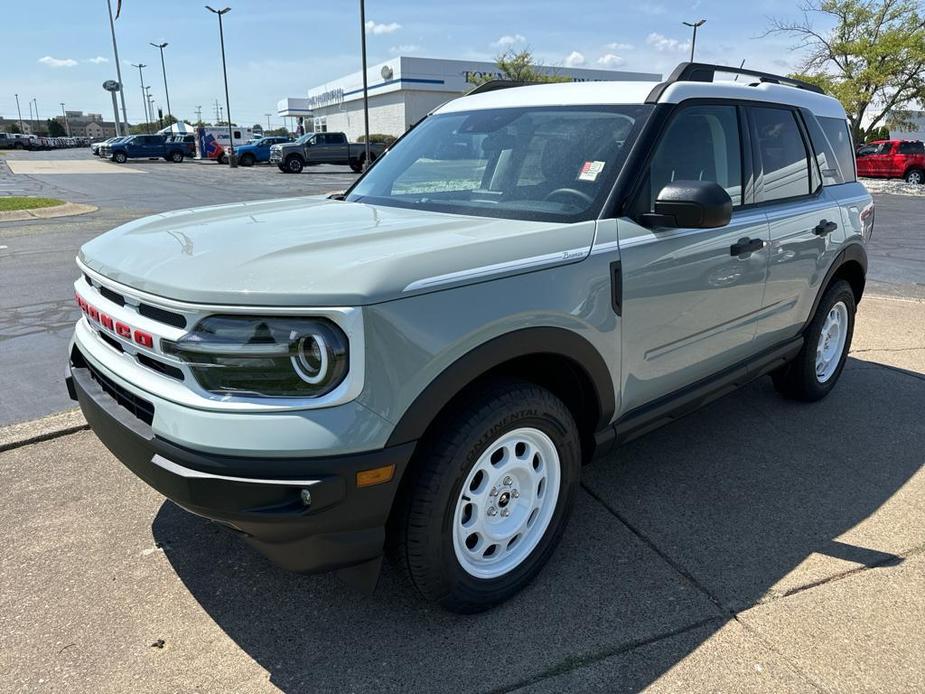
<point x="61" y="50"/>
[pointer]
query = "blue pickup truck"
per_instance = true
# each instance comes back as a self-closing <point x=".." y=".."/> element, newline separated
<point x="257" y="151"/>
<point x="143" y="147"/>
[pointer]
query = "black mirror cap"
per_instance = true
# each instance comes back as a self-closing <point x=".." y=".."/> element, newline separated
<point x="693" y="205"/>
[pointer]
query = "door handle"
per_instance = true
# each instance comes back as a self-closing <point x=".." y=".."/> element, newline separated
<point x="824" y="227"/>
<point x="745" y="246"/>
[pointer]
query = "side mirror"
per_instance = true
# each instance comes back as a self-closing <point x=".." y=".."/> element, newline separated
<point x="690" y="205"/>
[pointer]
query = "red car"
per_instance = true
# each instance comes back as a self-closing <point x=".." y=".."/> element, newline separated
<point x="893" y="159"/>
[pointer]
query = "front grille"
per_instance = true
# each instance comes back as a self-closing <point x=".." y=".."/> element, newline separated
<point x="139" y="407"/>
<point x="114" y="297"/>
<point x="162" y="316"/>
<point x="160" y="367"/>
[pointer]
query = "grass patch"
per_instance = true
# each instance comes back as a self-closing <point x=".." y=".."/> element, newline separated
<point x="13" y="202"/>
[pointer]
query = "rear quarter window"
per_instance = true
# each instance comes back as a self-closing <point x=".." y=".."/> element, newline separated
<point x="911" y="148"/>
<point x="833" y="148"/>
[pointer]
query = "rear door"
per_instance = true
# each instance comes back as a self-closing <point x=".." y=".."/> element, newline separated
<point x="804" y="221"/>
<point x="690" y="299"/>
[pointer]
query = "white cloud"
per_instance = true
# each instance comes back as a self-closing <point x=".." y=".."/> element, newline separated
<point x="574" y="59"/>
<point x="509" y="40"/>
<point x="616" y="46"/>
<point x="57" y="62"/>
<point x="98" y="60"/>
<point x="610" y="60"/>
<point x="374" y="28"/>
<point x="663" y="43"/>
<point x="405" y="49"/>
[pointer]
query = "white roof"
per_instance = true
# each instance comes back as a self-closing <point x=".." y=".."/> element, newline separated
<point x="586" y="93"/>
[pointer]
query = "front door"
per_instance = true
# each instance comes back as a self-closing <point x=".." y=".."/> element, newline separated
<point x="691" y="297"/>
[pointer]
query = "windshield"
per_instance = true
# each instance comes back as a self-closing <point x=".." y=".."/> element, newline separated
<point x="552" y="163"/>
<point x="305" y="138"/>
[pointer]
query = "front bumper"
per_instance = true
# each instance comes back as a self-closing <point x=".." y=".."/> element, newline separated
<point x="261" y="498"/>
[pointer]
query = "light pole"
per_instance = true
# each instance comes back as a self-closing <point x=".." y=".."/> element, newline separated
<point x="31" y="118"/>
<point x="144" y="94"/>
<point x="115" y="52"/>
<point x="67" y="123"/>
<point x="694" y="26"/>
<point x="150" y="103"/>
<point x="38" y="120"/>
<point x="19" y="111"/>
<point x="268" y="120"/>
<point x="365" y="85"/>
<point x="221" y="34"/>
<point x="162" y="46"/>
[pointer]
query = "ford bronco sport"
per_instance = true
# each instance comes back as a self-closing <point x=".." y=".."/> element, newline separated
<point x="528" y="278"/>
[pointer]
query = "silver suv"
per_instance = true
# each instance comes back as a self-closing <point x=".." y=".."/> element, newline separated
<point x="527" y="279"/>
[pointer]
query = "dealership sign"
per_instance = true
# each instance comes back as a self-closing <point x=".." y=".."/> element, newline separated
<point x="332" y="96"/>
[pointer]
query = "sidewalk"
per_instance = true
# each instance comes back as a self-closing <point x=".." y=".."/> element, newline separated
<point x="789" y="557"/>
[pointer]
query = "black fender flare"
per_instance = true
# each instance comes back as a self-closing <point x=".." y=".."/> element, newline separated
<point x="495" y="352"/>
<point x="853" y="252"/>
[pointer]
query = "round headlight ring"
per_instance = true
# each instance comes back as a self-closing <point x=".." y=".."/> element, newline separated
<point x="312" y="362"/>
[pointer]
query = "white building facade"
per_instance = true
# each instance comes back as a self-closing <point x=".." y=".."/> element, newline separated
<point x="405" y="89"/>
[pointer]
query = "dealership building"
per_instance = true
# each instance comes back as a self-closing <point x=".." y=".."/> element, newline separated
<point x="405" y="89"/>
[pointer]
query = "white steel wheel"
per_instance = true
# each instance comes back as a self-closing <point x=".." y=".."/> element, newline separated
<point x="506" y="503"/>
<point x="832" y="340"/>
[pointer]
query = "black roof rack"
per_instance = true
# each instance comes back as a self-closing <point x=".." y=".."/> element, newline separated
<point x="498" y="84"/>
<point x="705" y="72"/>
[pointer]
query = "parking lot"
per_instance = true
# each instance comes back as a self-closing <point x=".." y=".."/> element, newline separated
<point x="790" y="561"/>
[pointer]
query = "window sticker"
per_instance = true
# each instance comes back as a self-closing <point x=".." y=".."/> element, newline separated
<point x="590" y="170"/>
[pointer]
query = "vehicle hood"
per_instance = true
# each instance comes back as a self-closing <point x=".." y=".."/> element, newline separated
<point x="320" y="252"/>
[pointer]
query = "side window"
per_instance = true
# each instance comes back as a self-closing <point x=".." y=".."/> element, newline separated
<point x="911" y="148"/>
<point x="237" y="134"/>
<point x="337" y="139"/>
<point x="783" y="161"/>
<point x="702" y="143"/>
<point x="838" y="138"/>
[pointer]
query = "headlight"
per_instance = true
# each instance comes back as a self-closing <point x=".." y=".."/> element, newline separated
<point x="264" y="357"/>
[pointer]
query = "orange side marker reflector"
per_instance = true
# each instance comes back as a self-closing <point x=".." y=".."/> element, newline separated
<point x="378" y="475"/>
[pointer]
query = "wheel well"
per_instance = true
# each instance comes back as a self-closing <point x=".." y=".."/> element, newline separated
<point x="557" y="373"/>
<point x="852" y="272"/>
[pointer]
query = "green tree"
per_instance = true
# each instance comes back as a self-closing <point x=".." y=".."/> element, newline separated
<point x="54" y="128"/>
<point x="872" y="58"/>
<point x="14" y="128"/>
<point x="519" y="66"/>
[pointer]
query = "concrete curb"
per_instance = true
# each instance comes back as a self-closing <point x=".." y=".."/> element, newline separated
<point x="68" y="209"/>
<point x="50" y="427"/>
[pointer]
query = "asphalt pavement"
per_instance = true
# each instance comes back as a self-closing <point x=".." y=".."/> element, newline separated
<point x="756" y="545"/>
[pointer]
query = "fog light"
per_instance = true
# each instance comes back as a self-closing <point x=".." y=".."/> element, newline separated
<point x="306" y="497"/>
<point x="378" y="475"/>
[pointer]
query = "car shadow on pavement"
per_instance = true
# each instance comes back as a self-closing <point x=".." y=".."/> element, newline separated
<point x="746" y="501"/>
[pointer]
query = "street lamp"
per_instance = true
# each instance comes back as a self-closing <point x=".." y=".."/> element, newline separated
<point x="115" y="51"/>
<point x="67" y="123"/>
<point x="19" y="111"/>
<point x="38" y="120"/>
<point x="365" y="85"/>
<point x="162" y="46"/>
<point x="144" y="98"/>
<point x="268" y="120"/>
<point x="694" y="25"/>
<point x="221" y="33"/>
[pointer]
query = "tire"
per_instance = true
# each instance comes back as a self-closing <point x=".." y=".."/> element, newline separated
<point x="176" y="157"/>
<point x="448" y="557"/>
<point x="119" y="157"/>
<point x="281" y="168"/>
<point x="357" y="166"/>
<point x="916" y="176"/>
<point x="247" y="160"/>
<point x="294" y="164"/>
<point x="815" y="370"/>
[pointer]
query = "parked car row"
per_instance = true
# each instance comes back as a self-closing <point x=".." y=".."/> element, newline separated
<point x="20" y="141"/>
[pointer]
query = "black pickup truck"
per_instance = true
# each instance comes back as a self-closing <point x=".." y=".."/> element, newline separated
<point x="322" y="148"/>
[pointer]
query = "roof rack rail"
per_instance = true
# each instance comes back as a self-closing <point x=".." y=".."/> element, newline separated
<point x="706" y="72"/>
<point x="493" y="85"/>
